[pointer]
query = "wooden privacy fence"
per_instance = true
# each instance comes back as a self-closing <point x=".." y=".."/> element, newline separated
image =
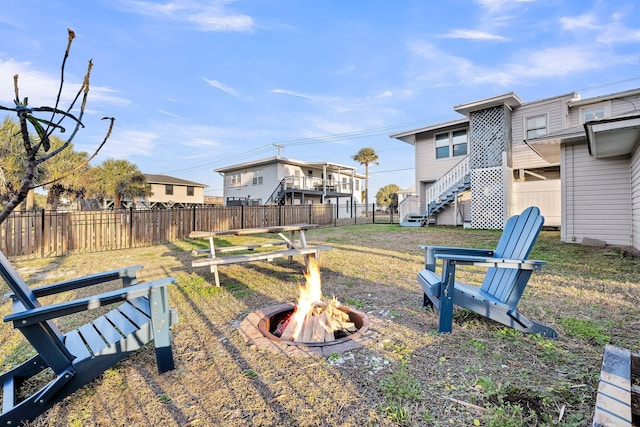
<point x="51" y="233"/>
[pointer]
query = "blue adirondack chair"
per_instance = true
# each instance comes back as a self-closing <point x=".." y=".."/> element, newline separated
<point x="508" y="271"/>
<point x="78" y="356"/>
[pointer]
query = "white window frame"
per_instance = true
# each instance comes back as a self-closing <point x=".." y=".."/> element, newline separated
<point x="605" y="106"/>
<point x="236" y="179"/>
<point x="450" y="142"/>
<point x="528" y="129"/>
<point x="257" y="177"/>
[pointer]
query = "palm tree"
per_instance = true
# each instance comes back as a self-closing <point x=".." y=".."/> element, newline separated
<point x="12" y="161"/>
<point x="66" y="173"/>
<point x="366" y="156"/>
<point x="119" y="180"/>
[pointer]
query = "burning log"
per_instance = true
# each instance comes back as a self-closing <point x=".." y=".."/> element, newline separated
<point x="320" y="324"/>
<point x="314" y="320"/>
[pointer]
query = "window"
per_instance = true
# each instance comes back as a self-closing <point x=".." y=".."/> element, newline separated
<point x="536" y="126"/>
<point x="454" y="142"/>
<point x="595" y="112"/>
<point x="190" y="190"/>
<point x="459" y="140"/>
<point x="168" y="190"/>
<point x="257" y="177"/>
<point x="235" y="179"/>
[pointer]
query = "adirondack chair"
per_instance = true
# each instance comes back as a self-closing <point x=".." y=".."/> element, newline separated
<point x="78" y="356"/>
<point x="508" y="271"/>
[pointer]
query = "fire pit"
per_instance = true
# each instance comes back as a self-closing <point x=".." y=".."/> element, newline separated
<point x="258" y="327"/>
<point x="310" y="326"/>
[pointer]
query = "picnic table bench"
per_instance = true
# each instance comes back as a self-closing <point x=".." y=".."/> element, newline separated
<point x="293" y="246"/>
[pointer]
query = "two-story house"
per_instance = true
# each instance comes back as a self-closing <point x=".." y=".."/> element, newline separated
<point x="506" y="154"/>
<point x="280" y="180"/>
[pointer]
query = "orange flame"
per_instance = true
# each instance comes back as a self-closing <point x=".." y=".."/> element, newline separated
<point x="310" y="294"/>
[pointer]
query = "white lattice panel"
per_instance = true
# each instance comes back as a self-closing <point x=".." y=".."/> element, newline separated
<point x="489" y="200"/>
<point x="488" y="138"/>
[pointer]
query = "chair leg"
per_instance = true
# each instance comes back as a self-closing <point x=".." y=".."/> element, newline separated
<point x="161" y="321"/>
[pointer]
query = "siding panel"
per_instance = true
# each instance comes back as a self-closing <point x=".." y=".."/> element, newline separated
<point x="597" y="203"/>
<point x="554" y="108"/>
<point x="635" y="199"/>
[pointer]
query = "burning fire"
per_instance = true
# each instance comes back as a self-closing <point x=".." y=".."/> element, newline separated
<point x="314" y="320"/>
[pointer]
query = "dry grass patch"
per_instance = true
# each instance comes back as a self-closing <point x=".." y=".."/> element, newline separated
<point x="480" y="374"/>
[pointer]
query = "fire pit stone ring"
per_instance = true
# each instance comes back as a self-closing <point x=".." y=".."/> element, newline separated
<point x="255" y="328"/>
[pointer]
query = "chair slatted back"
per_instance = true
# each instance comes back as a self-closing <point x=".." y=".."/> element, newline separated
<point x="516" y="242"/>
<point x="23" y="293"/>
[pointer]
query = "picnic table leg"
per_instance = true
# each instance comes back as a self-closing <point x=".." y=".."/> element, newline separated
<point x="303" y="244"/>
<point x="445" y="322"/>
<point x="214" y="268"/>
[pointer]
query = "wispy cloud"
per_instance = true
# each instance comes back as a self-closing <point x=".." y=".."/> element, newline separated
<point x="41" y="88"/>
<point x="292" y="93"/>
<point x="166" y="113"/>
<point x="611" y="32"/>
<point x="127" y="143"/>
<point x="500" y="6"/>
<point x="226" y="89"/>
<point x="540" y="63"/>
<point x="472" y="35"/>
<point x="205" y="16"/>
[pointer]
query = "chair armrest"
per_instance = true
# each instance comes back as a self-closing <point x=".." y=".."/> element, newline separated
<point x="40" y="314"/>
<point x="127" y="274"/>
<point x="431" y="251"/>
<point x="454" y="250"/>
<point x="479" y="261"/>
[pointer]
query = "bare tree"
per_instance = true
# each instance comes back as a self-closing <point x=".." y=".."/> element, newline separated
<point x="37" y="146"/>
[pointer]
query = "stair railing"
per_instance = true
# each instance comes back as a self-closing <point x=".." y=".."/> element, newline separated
<point x="446" y="181"/>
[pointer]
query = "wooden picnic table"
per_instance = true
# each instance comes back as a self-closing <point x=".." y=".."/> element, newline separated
<point x="294" y="247"/>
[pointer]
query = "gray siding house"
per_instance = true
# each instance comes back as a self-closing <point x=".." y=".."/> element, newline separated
<point x="280" y="180"/>
<point x="577" y="159"/>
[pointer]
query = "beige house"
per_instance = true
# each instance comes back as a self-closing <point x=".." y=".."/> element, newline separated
<point x="170" y="192"/>
<point x="280" y="180"/>
<point x="506" y="154"/>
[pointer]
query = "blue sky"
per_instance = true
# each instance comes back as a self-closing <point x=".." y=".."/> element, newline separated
<point x="196" y="85"/>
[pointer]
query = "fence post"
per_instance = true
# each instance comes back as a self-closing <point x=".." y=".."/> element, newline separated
<point x="130" y="226"/>
<point x="42" y="233"/>
<point x="310" y="215"/>
<point x="373" y="213"/>
<point x="242" y="216"/>
<point x="279" y="214"/>
<point x="193" y="225"/>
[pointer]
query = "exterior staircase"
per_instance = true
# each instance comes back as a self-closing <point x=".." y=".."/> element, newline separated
<point x="441" y="195"/>
<point x="277" y="197"/>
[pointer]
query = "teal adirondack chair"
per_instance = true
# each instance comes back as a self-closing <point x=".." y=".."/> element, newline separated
<point x="508" y="271"/>
<point x="78" y="356"/>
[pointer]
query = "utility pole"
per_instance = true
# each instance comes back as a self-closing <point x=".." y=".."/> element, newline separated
<point x="279" y="146"/>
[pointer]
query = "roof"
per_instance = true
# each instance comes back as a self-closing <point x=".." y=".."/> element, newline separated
<point x="596" y="99"/>
<point x="548" y="146"/>
<point x="509" y="99"/>
<point x="613" y="136"/>
<point x="280" y="159"/>
<point x="406" y="135"/>
<point x="166" y="179"/>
